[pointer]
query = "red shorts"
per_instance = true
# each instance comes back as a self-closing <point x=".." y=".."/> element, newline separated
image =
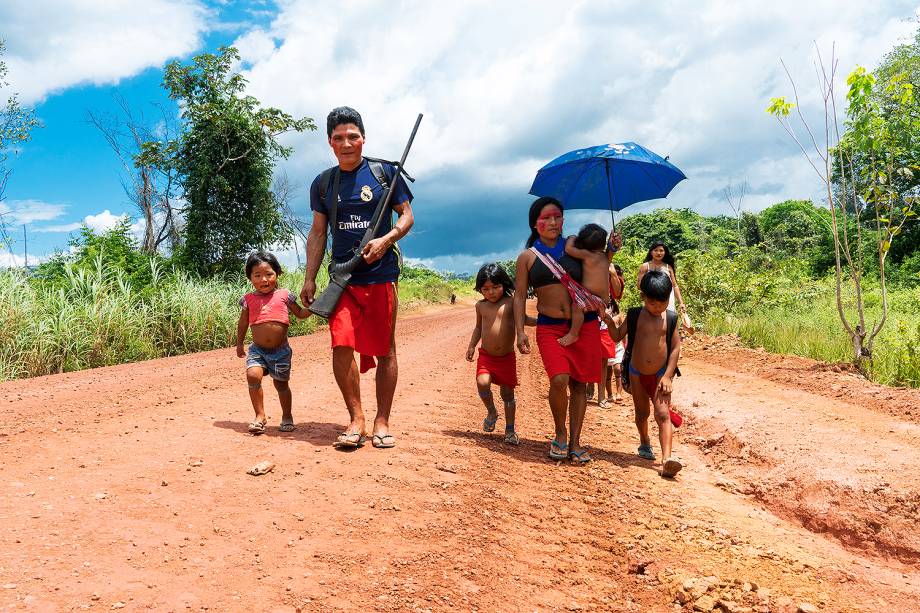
<point x="609" y="347"/>
<point x="581" y="360"/>
<point x="503" y="368"/>
<point x="364" y="319"/>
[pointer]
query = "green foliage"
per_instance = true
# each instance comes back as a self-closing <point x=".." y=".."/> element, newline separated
<point x="95" y="308"/>
<point x="676" y="228"/>
<point x="114" y="249"/>
<point x="224" y="159"/>
<point x="16" y="125"/>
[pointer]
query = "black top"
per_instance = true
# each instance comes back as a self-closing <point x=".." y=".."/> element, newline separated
<point x="541" y="276"/>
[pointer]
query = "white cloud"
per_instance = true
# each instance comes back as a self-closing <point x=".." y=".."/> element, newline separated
<point x="507" y="87"/>
<point x="100" y="222"/>
<point x="16" y="260"/>
<point x="18" y="212"/>
<point x="55" y="44"/>
<point x="462" y="262"/>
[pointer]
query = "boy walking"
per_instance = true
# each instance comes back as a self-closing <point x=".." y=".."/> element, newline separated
<point x="652" y="352"/>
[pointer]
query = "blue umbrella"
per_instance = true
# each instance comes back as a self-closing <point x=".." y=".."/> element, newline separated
<point x="607" y="177"/>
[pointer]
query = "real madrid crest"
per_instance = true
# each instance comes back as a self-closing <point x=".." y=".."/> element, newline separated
<point x="366" y="193"/>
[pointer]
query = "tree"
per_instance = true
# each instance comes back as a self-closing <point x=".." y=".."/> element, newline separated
<point x="152" y="190"/>
<point x="284" y="192"/>
<point x="16" y="124"/>
<point x="224" y="160"/>
<point x="856" y="192"/>
<point x="734" y="195"/>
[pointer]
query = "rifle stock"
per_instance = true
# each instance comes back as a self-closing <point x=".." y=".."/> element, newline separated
<point x="325" y="303"/>
<point x="340" y="273"/>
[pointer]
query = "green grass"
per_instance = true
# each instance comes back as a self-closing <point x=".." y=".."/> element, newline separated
<point x="94" y="317"/>
<point x="812" y="328"/>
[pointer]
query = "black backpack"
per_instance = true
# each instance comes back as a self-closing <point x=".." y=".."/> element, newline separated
<point x="632" y="321"/>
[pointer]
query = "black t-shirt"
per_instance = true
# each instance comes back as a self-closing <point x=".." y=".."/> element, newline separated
<point x="359" y="194"/>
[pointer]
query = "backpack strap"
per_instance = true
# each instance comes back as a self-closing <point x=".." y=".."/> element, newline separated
<point x="672" y="326"/>
<point x="379" y="173"/>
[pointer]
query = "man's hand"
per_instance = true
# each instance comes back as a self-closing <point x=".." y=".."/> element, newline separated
<point x="469" y="354"/>
<point x="664" y="385"/>
<point x="308" y="291"/>
<point x="523" y="344"/>
<point x="240" y="352"/>
<point x="375" y="249"/>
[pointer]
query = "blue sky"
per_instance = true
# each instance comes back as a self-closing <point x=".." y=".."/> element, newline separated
<point x="504" y="89"/>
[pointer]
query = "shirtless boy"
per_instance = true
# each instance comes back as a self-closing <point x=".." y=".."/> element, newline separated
<point x="651" y="365"/>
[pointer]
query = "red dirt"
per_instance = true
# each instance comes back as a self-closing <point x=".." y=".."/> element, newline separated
<point x="126" y="487"/>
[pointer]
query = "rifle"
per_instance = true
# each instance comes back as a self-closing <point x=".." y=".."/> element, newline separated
<point x="340" y="273"/>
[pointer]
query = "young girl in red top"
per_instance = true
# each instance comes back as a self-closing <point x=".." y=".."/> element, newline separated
<point x="265" y="311"/>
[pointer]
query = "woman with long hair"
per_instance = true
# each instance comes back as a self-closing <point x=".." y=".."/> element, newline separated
<point x="568" y="367"/>
<point x="659" y="257"/>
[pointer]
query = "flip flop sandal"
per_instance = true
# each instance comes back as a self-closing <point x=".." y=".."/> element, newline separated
<point x="512" y="438"/>
<point x="604" y="404"/>
<point x="671" y="467"/>
<point x="256" y="427"/>
<point x="558" y="455"/>
<point x="580" y="457"/>
<point x="351" y="440"/>
<point x="645" y="452"/>
<point x="286" y="426"/>
<point x="383" y="441"/>
<point x="488" y="425"/>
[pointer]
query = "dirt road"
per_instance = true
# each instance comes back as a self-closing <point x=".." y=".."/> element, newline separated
<point x="126" y="488"/>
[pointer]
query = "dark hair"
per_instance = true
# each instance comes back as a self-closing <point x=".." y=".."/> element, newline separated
<point x="497" y="275"/>
<point x="341" y="115"/>
<point x="591" y="237"/>
<point x="656" y="285"/>
<point x="535" y="209"/>
<point x="667" y="259"/>
<point x="258" y="257"/>
<point x="619" y="270"/>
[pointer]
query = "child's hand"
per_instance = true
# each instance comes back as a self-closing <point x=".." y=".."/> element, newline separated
<point x="523" y="344"/>
<point x="240" y="352"/>
<point x="619" y="319"/>
<point x="469" y="354"/>
<point x="664" y="385"/>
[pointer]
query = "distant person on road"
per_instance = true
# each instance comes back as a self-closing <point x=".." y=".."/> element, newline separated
<point x="497" y="363"/>
<point x="569" y="367"/>
<point x="652" y="353"/>
<point x="266" y="312"/>
<point x="364" y="321"/>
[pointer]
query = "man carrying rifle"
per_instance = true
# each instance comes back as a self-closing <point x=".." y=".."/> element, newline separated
<point x="364" y="319"/>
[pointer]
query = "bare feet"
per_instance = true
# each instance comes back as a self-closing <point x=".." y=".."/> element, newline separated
<point x="568" y="339"/>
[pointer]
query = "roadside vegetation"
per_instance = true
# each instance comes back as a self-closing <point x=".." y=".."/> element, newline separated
<point x="774" y="287"/>
<point x="109" y="303"/>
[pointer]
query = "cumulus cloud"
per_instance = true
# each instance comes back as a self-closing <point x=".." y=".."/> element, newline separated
<point x="55" y="44"/>
<point x="507" y="87"/>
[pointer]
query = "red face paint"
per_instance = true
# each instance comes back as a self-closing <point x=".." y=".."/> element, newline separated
<point x="549" y="214"/>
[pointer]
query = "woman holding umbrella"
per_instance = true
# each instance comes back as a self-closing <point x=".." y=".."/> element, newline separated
<point x="569" y="368"/>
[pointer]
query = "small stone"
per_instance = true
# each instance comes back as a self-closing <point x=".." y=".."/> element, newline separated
<point x="164" y="483"/>
<point x="705" y="603"/>
<point x="101" y="496"/>
<point x="261" y="468"/>
<point x="95" y="596"/>
<point x="118" y="605"/>
<point x="9" y="586"/>
<point x="807" y="607"/>
<point x="298" y="516"/>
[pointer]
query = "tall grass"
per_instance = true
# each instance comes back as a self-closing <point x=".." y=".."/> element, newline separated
<point x="94" y="317"/>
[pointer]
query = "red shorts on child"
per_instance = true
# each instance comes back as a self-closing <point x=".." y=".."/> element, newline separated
<point x="363" y="320"/>
<point x="503" y="368"/>
<point x="609" y="347"/>
<point x="580" y="360"/>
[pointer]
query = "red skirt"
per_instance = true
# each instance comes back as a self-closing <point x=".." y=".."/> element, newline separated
<point x="503" y="368"/>
<point x="580" y="360"/>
